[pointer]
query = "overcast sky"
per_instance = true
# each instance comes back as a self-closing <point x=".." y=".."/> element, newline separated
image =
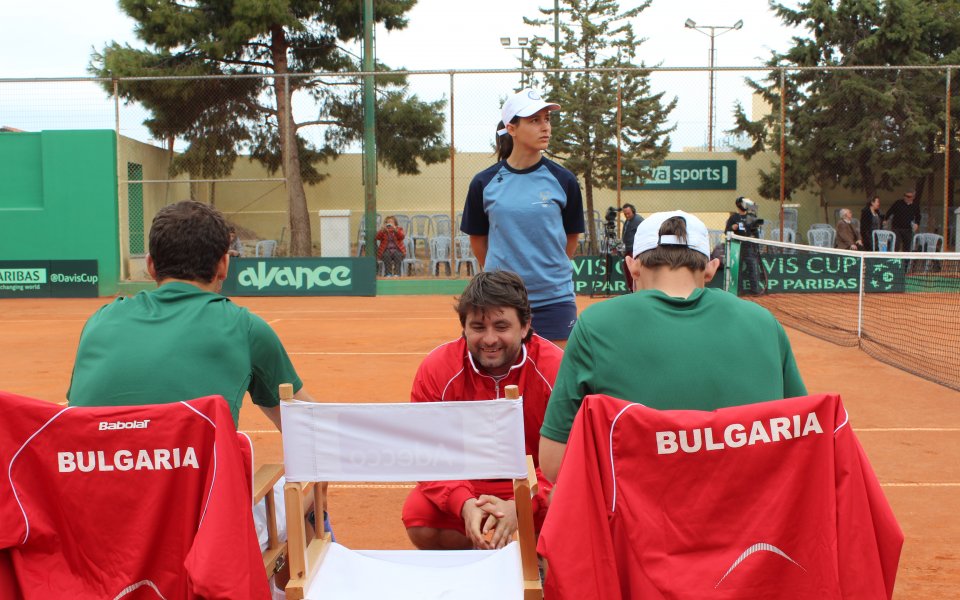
<point x="54" y="38"/>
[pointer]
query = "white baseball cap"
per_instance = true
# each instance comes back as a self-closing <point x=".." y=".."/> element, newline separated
<point x="523" y="104"/>
<point x="648" y="234"/>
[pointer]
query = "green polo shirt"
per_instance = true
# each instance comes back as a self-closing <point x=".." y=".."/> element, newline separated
<point x="703" y="352"/>
<point x="174" y="343"/>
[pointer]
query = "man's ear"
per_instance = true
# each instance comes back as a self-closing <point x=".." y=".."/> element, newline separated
<point x="151" y="268"/>
<point x="633" y="265"/>
<point x="222" y="267"/>
<point x="711" y="270"/>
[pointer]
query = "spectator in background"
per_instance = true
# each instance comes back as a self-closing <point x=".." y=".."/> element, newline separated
<point x="871" y="219"/>
<point x="848" y="236"/>
<point x="631" y="220"/>
<point x="236" y="246"/>
<point x="390" y="249"/>
<point x="904" y="217"/>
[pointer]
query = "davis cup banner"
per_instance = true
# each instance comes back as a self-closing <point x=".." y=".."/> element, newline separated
<point x="301" y="277"/>
<point x="49" y="279"/>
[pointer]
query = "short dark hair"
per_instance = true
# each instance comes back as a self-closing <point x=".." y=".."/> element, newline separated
<point x="675" y="257"/>
<point x="495" y="288"/>
<point x="631" y="207"/>
<point x="187" y="240"/>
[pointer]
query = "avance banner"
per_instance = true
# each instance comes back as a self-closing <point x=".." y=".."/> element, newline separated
<point x="301" y="277"/>
<point x="49" y="279"/>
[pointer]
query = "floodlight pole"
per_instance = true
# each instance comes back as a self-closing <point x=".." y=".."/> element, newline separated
<point x="713" y="29"/>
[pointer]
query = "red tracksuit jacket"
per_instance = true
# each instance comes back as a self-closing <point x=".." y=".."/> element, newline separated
<point x="125" y="502"/>
<point x="769" y="500"/>
<point x="449" y="373"/>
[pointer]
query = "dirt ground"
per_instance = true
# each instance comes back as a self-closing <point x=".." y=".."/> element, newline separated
<point x="368" y="349"/>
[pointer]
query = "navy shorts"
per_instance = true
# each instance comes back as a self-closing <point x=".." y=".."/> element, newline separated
<point x="555" y="321"/>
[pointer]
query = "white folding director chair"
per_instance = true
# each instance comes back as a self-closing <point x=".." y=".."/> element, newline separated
<point x="418" y="441"/>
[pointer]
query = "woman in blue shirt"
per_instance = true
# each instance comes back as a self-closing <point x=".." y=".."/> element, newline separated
<point x="525" y="214"/>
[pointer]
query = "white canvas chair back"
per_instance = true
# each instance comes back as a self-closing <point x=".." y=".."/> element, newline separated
<point x="429" y="441"/>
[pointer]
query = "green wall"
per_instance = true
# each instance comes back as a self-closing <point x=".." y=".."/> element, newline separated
<point x="58" y="199"/>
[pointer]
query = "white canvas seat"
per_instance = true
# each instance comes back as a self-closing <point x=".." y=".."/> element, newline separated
<point x="430" y="441"/>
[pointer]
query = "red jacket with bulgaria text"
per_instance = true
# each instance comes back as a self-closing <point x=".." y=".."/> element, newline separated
<point x="768" y="500"/>
<point x="125" y="502"/>
<point x="449" y="373"/>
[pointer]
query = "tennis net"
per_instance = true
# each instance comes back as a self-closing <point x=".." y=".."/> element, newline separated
<point x="900" y="308"/>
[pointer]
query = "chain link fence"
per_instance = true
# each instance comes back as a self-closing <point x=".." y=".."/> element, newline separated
<point x="897" y="137"/>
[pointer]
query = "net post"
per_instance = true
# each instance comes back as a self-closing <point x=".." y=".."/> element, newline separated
<point x="860" y="291"/>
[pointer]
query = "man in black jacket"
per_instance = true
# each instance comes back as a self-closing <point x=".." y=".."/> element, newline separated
<point x="631" y="221"/>
<point x="904" y="217"/>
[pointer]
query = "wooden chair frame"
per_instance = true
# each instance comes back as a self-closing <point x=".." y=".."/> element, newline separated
<point x="305" y="557"/>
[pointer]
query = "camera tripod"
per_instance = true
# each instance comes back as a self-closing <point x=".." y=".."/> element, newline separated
<point x="610" y="258"/>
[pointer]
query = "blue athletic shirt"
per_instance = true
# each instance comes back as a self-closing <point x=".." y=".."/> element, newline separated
<point x="527" y="215"/>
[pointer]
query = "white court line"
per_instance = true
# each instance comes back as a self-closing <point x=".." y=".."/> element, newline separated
<point x="898" y="429"/>
<point x="908" y="485"/>
<point x="358" y="353"/>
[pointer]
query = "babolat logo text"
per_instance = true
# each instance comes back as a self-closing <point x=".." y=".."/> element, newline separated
<point x="737" y="435"/>
<point x="157" y="459"/>
<point x="295" y="277"/>
<point x="114" y="425"/>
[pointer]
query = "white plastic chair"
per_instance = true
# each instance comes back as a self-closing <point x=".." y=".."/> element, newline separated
<point x="822" y="237"/>
<point x="419" y="230"/>
<point x="927" y="242"/>
<point x="789" y="235"/>
<point x="884" y="241"/>
<point x="410" y="263"/>
<point x="441" y="225"/>
<point x="465" y="256"/>
<point x="265" y="248"/>
<point x="440" y="254"/>
<point x="418" y="441"/>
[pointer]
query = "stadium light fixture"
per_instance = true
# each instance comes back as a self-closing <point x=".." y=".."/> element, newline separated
<point x="713" y="31"/>
<point x="522" y="45"/>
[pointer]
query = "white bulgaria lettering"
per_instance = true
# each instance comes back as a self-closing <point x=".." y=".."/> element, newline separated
<point x="126" y="460"/>
<point x="321" y="276"/>
<point x="735" y="435"/>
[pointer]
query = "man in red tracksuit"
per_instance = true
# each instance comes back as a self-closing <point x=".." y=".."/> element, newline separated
<point x="498" y="348"/>
<point x="769" y="500"/>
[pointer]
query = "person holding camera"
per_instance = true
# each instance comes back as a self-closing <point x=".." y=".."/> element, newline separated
<point x="631" y="220"/>
<point x="390" y="248"/>
<point x="687" y="344"/>
<point x="525" y="214"/>
<point x="745" y="223"/>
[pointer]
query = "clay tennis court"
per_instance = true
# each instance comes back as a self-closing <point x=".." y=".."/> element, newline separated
<point x="368" y="349"/>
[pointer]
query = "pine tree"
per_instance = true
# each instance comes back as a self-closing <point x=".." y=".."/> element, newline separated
<point x="219" y="119"/>
<point x="597" y="34"/>
<point x="862" y="129"/>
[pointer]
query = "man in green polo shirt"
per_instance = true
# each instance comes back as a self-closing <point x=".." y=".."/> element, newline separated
<point x="672" y="344"/>
<point x="182" y="340"/>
